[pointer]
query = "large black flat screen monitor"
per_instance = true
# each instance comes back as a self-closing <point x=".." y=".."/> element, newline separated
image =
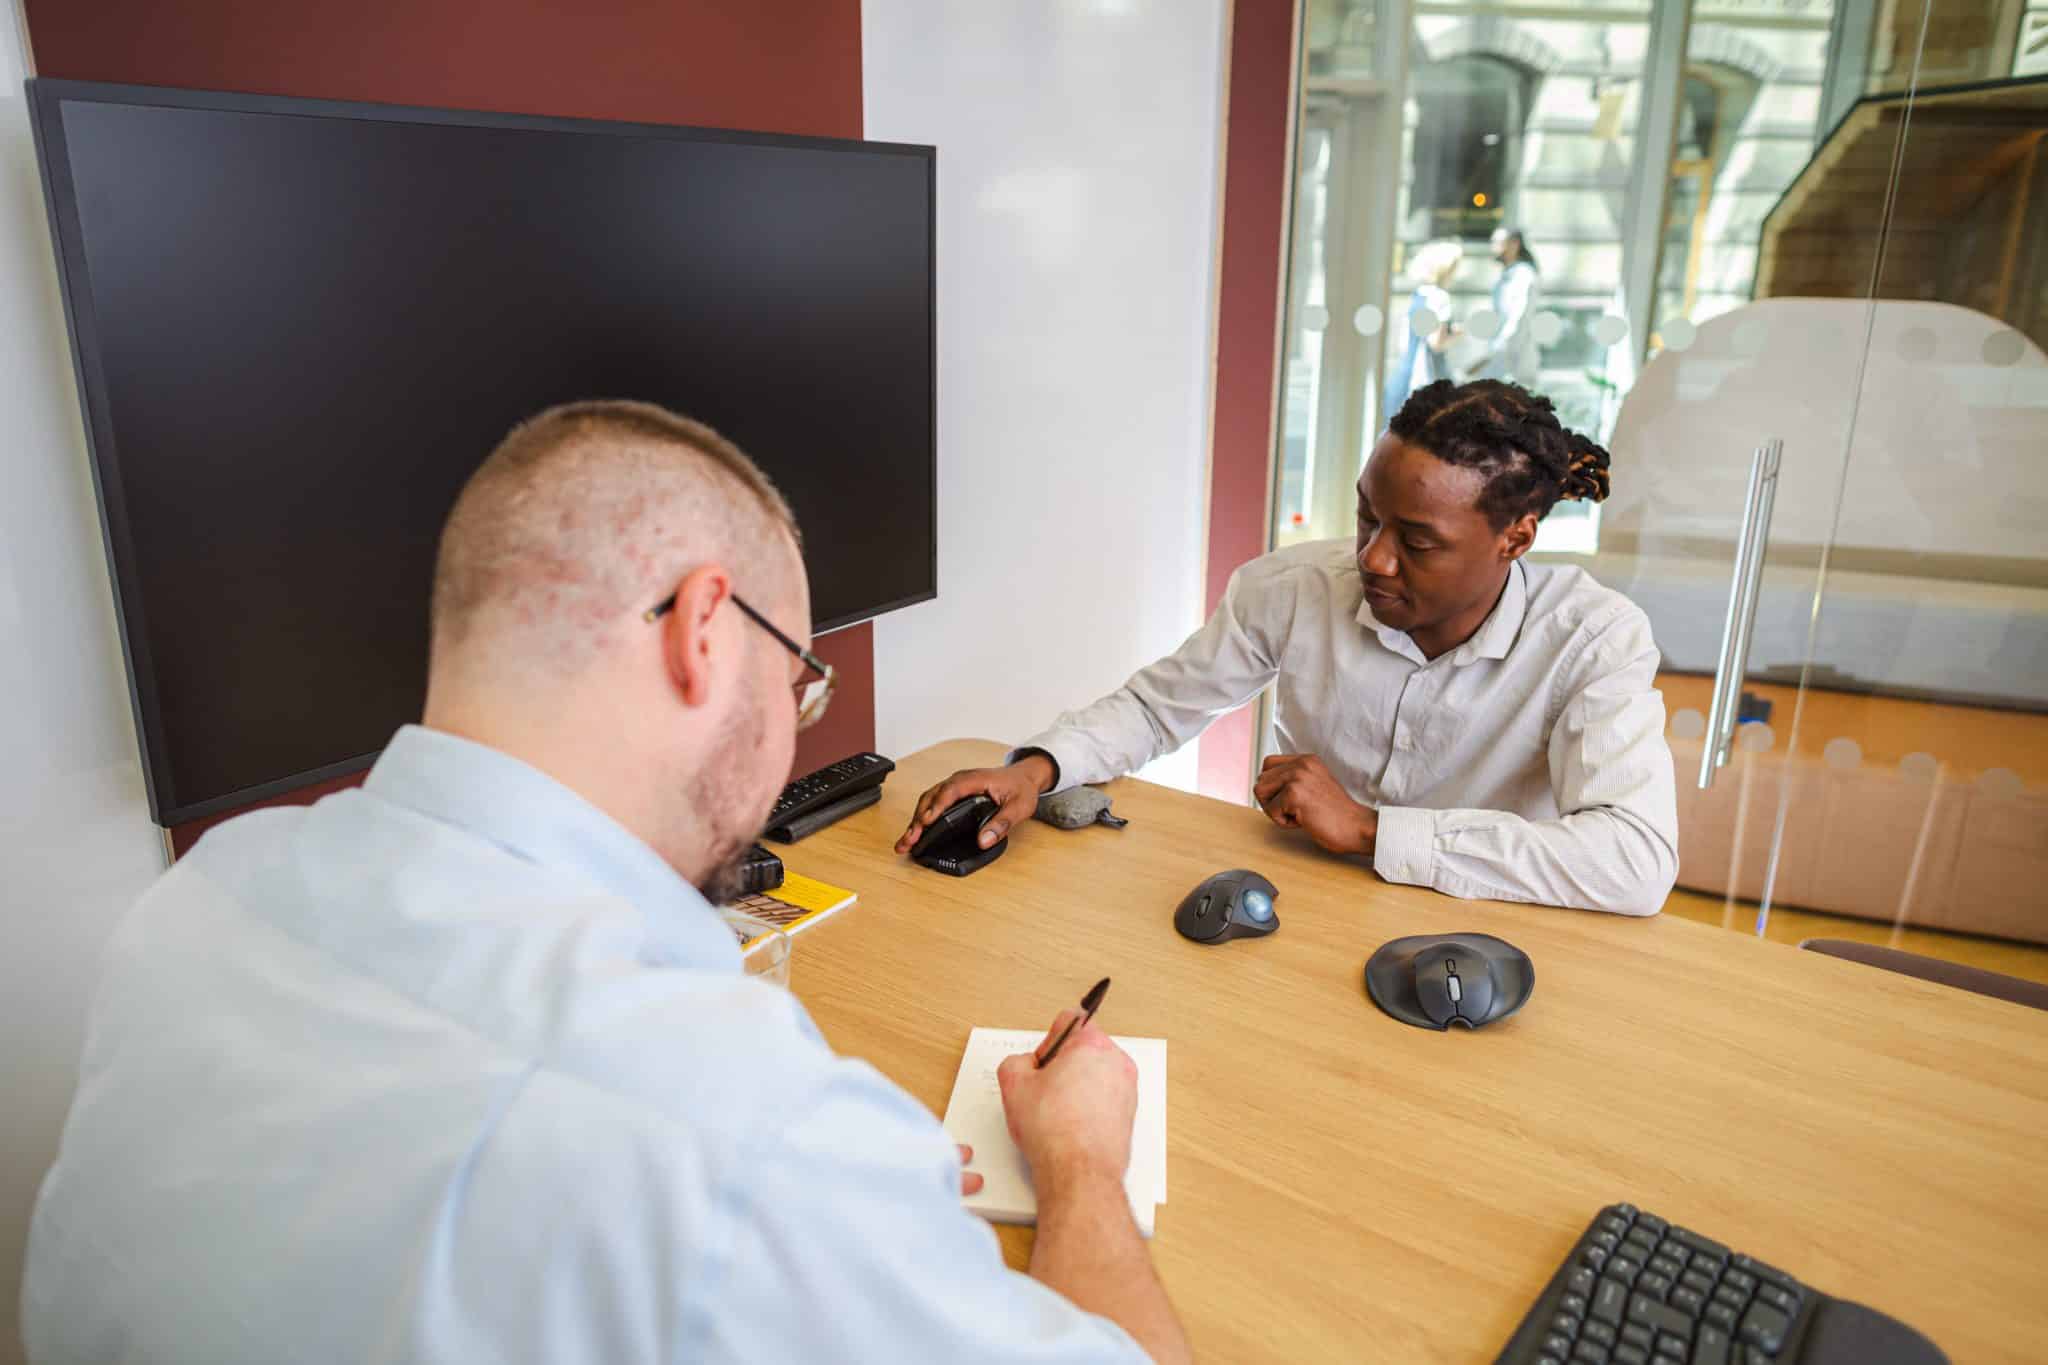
<point x="299" y="325"/>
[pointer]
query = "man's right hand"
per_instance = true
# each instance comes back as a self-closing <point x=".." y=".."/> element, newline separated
<point x="1072" y="1120"/>
<point x="1014" y="789"/>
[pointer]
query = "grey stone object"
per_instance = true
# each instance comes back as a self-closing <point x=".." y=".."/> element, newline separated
<point x="1077" y="808"/>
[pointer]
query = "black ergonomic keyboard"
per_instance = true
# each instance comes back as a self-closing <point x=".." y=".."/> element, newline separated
<point x="1637" y="1290"/>
<point x="831" y="787"/>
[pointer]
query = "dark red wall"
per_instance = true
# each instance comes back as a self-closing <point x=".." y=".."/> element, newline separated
<point x="786" y="66"/>
<point x="1255" y="188"/>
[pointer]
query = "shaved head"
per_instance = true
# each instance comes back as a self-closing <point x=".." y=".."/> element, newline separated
<point x="682" y="725"/>
<point x="585" y="516"/>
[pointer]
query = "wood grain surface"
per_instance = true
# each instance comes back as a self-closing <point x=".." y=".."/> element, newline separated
<point x="1343" y="1187"/>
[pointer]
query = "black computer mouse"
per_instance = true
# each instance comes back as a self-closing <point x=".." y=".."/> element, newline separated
<point x="949" y="843"/>
<point x="1436" y="980"/>
<point x="1233" y="904"/>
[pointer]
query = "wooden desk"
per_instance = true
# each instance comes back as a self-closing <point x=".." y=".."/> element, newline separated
<point x="1347" y="1188"/>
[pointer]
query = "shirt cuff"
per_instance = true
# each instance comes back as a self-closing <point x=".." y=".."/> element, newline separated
<point x="1060" y="767"/>
<point x="1404" y="850"/>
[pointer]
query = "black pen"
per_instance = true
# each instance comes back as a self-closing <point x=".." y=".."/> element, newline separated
<point x="1089" y="1004"/>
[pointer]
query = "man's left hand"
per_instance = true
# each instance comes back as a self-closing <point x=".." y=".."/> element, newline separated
<point x="1297" y="792"/>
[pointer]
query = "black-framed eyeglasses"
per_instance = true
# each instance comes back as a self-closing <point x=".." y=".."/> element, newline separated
<point x="812" y="697"/>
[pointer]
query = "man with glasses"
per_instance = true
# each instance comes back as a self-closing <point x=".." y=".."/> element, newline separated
<point x="463" y="1066"/>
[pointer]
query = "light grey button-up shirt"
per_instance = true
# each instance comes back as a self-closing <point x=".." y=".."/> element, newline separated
<point x="1527" y="764"/>
<point x="455" y="1068"/>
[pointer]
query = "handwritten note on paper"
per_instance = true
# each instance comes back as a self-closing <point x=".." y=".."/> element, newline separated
<point x="974" y="1115"/>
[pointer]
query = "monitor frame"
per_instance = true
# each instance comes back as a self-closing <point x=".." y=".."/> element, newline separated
<point x="46" y="95"/>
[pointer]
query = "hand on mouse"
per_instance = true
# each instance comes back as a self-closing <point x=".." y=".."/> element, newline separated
<point x="1072" y="1120"/>
<point x="1297" y="792"/>
<point x="1014" y="789"/>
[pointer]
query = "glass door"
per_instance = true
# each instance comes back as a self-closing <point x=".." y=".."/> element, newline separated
<point x="1914" y="802"/>
<point x="1695" y="302"/>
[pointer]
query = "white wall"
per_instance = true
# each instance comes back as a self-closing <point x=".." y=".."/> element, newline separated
<point x="1077" y="153"/>
<point x="76" y="842"/>
<point x="1077" y="202"/>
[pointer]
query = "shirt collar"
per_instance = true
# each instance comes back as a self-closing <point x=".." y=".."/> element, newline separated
<point x="532" y="816"/>
<point x="1494" y="638"/>
<point x="1503" y="625"/>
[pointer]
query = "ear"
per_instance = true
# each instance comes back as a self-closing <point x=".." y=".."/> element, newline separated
<point x="1519" y="536"/>
<point x="690" y="641"/>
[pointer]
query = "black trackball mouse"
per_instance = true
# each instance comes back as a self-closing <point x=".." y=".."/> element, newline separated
<point x="1233" y="904"/>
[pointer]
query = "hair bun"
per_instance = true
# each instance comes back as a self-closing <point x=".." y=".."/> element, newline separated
<point x="1585" y="477"/>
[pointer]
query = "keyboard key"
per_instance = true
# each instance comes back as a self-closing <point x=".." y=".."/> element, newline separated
<point x="1625" y="1210"/>
<point x="1575" y="1304"/>
<point x="1630" y="1355"/>
<point x="1671" y="1348"/>
<point x="1653" y="1223"/>
<point x="1557" y="1344"/>
<point x="1565" y="1325"/>
<point x="1589" y="1352"/>
<point x="1738" y="1279"/>
<point x="1598" y="1331"/>
<point x="1764" y="1326"/>
<point x="1710" y="1347"/>
<point x="1687" y="1301"/>
<point x="1721" y="1315"/>
<point x="1615" y="1224"/>
<point x="1700" y="1246"/>
<point x="1784" y="1302"/>
<point x="1580" y="1281"/>
<point x="1665" y="1266"/>
<point x="1595" y="1257"/>
<point x="1698" y="1282"/>
<point x="1656" y="1286"/>
<point x="1654" y="1315"/>
<point x="1610" y="1300"/>
<point x="1635" y="1334"/>
<point x="1623" y="1269"/>
<point x="1548" y="1359"/>
<point x="1641" y="1244"/>
<point x="1605" y="1239"/>
<point x="1730" y="1295"/>
<point x="1765" y="1272"/>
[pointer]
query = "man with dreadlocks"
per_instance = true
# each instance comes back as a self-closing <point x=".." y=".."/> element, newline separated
<point x="1452" y="715"/>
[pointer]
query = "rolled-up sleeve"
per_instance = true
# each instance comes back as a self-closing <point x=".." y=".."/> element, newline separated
<point x="1614" y="843"/>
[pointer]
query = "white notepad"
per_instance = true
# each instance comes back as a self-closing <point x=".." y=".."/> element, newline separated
<point x="974" y="1115"/>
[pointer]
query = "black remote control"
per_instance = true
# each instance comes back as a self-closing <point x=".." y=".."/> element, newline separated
<point x="829" y="785"/>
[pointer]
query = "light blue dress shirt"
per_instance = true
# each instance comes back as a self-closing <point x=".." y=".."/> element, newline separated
<point x="454" y="1068"/>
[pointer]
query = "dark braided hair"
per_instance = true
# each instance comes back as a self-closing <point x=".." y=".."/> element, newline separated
<point x="1511" y="436"/>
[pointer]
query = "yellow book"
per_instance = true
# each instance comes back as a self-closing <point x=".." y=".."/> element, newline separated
<point x="795" y="905"/>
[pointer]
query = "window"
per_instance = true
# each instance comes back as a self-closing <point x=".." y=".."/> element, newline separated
<point x="1471" y="112"/>
<point x="1714" y="102"/>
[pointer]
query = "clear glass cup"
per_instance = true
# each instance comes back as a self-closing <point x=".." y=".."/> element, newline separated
<point x="764" y="948"/>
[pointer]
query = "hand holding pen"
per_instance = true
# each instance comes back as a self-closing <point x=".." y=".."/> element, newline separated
<point x="1073" y="1121"/>
<point x="1090" y="1003"/>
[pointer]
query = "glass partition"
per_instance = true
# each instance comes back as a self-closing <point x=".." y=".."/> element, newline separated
<point x="1757" y="274"/>
<point x="1916" y="765"/>
<point x="1632" y="150"/>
